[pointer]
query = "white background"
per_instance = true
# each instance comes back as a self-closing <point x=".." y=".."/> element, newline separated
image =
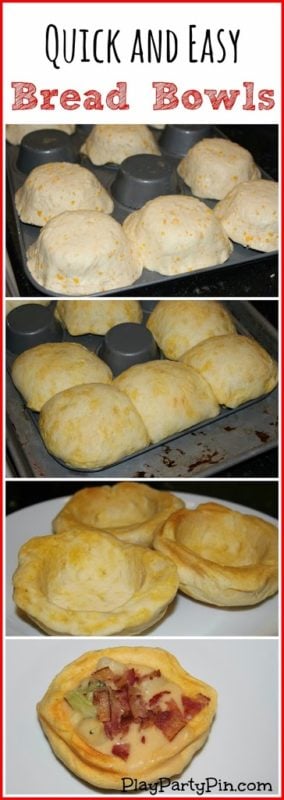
<point x="259" y="58"/>
<point x="242" y="745"/>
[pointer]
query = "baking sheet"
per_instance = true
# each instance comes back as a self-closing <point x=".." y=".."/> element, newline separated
<point x="201" y="450"/>
<point x="185" y="616"/>
<point x="27" y="234"/>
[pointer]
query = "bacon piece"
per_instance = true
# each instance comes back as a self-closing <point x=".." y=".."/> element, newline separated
<point x="103" y="701"/>
<point x="171" y="721"/>
<point x="156" y="673"/>
<point x="156" y="698"/>
<point x="128" y="678"/>
<point x="137" y="704"/>
<point x="104" y="674"/>
<point x="121" y="750"/>
<point x="193" y="705"/>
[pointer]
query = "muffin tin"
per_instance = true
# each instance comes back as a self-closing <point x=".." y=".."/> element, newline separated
<point x="204" y="449"/>
<point x="138" y="179"/>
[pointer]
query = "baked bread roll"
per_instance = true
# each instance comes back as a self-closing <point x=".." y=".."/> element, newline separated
<point x="96" y="316"/>
<point x="151" y="744"/>
<point x="132" y="511"/>
<point x="15" y="133"/>
<point x="87" y="583"/>
<point x="249" y="215"/>
<point x="237" y="368"/>
<point x="213" y="167"/>
<point x="53" y="188"/>
<point x="113" y="143"/>
<point x="91" y="426"/>
<point x="177" y="325"/>
<point x="41" y="372"/>
<point x="175" y="234"/>
<point x="168" y="396"/>
<point x="223" y="557"/>
<point x="82" y="252"/>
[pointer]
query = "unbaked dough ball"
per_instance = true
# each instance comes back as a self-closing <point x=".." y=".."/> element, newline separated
<point x="15" y="133"/>
<point x="91" y="426"/>
<point x="177" y="325"/>
<point x="41" y="372"/>
<point x="96" y="316"/>
<point x="213" y="167"/>
<point x="114" y="143"/>
<point x="82" y="252"/>
<point x="168" y="396"/>
<point x="237" y="368"/>
<point x="53" y="188"/>
<point x="175" y="234"/>
<point x="249" y="215"/>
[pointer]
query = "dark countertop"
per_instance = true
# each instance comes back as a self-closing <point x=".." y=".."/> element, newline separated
<point x="261" y="496"/>
<point x="258" y="279"/>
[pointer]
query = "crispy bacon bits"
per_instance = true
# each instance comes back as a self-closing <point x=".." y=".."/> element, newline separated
<point x="119" y="702"/>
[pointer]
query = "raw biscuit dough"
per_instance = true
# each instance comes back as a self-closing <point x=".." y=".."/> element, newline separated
<point x="113" y="143"/>
<point x="15" y="133"/>
<point x="178" y="325"/>
<point x="237" y="368"/>
<point x="223" y="557"/>
<point x="249" y="215"/>
<point x="87" y="583"/>
<point x="41" y="372"/>
<point x="160" y="757"/>
<point x="168" y="396"/>
<point x="53" y="188"/>
<point x="91" y="426"/>
<point x="174" y="234"/>
<point x="130" y="511"/>
<point x="82" y="252"/>
<point x="212" y="167"/>
<point x="96" y="316"/>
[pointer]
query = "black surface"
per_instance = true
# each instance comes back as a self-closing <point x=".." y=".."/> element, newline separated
<point x="262" y="496"/>
<point x="258" y="279"/>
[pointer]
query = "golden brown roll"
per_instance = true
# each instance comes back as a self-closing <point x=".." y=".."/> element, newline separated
<point x="82" y="252"/>
<point x="168" y="396"/>
<point x="249" y="215"/>
<point x="175" y="234"/>
<point x="96" y="316"/>
<point x="41" y="372"/>
<point x="91" y="426"/>
<point x="130" y="511"/>
<point x="212" y="167"/>
<point x="237" y="368"/>
<point x="114" y="143"/>
<point x="15" y="133"/>
<point x="87" y="583"/>
<point x="178" y="325"/>
<point x="53" y="188"/>
<point x="223" y="557"/>
<point x="170" y="714"/>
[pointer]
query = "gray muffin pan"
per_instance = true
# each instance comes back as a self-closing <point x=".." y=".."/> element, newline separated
<point x="131" y="184"/>
<point x="114" y="348"/>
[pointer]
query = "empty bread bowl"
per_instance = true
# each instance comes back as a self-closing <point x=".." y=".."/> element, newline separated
<point x="223" y="557"/>
<point x="249" y="215"/>
<point x="130" y="511"/>
<point x="113" y="143"/>
<point x="96" y="316"/>
<point x="175" y="709"/>
<point x="87" y="583"/>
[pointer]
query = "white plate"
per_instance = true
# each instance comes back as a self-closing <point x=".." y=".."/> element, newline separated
<point x="242" y="745"/>
<point x="185" y="617"/>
